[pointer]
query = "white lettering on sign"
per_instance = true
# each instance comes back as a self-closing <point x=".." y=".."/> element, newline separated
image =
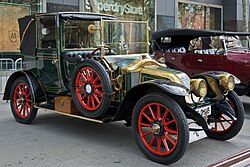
<point x="116" y="8"/>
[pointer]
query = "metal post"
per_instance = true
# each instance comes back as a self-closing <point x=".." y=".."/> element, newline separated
<point x="245" y="15"/>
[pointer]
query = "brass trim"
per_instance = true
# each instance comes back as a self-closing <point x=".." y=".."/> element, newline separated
<point x="169" y="75"/>
<point x="214" y="86"/>
<point x="137" y="65"/>
<point x="25" y="30"/>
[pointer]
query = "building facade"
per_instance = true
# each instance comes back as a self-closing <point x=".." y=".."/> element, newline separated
<point x="162" y="14"/>
<point x="11" y="10"/>
<point x="200" y="14"/>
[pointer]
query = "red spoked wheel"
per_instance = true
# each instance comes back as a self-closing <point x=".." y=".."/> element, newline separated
<point x="91" y="88"/>
<point x="223" y="122"/>
<point x="160" y="128"/>
<point x="223" y="127"/>
<point x="22" y="101"/>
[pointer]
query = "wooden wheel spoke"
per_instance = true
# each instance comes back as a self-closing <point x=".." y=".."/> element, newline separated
<point x="23" y="110"/>
<point x="226" y="120"/>
<point x="145" y="125"/>
<point x="146" y="134"/>
<point x="88" y="101"/>
<point x="170" y="139"/>
<point x="98" y="92"/>
<point x="148" y="118"/>
<point x="95" y="80"/>
<point x="159" y="112"/>
<point x="152" y="112"/>
<point x="164" y="116"/>
<point x="28" y="100"/>
<point x="28" y="105"/>
<point x="79" y="90"/>
<point x="159" y="144"/>
<point x="165" y="144"/>
<point x="152" y="141"/>
<point x="170" y="130"/>
<point x="92" y="101"/>
<point x="169" y="122"/>
<point x="96" y="98"/>
<point x="88" y="75"/>
<point x="28" y="95"/>
<point x="84" y="97"/>
<point x="98" y="85"/>
<point x="83" y="77"/>
<point x="222" y="125"/>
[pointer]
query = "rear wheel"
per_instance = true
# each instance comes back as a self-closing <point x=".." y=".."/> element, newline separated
<point x="223" y="127"/>
<point x="160" y="128"/>
<point x="21" y="101"/>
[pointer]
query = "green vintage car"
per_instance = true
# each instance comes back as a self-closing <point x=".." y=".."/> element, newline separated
<point x="104" y="65"/>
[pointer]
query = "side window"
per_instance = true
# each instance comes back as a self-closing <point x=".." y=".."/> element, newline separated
<point x="47" y="32"/>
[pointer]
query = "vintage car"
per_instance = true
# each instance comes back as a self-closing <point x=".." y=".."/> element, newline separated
<point x="103" y="65"/>
<point x="196" y="51"/>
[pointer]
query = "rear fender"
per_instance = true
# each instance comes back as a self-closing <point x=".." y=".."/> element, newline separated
<point x="136" y="93"/>
<point x="36" y="88"/>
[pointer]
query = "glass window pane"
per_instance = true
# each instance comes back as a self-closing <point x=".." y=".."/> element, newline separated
<point x="62" y="5"/>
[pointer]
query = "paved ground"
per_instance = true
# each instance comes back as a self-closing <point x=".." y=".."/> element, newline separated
<point x="56" y="140"/>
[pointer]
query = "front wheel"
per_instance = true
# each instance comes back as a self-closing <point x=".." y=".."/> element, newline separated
<point x="223" y="127"/>
<point x="21" y="101"/>
<point x="160" y="128"/>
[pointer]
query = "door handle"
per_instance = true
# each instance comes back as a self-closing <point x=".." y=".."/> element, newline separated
<point x="199" y="60"/>
<point x="54" y="61"/>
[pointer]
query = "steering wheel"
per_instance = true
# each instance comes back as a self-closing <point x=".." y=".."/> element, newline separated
<point x="99" y="48"/>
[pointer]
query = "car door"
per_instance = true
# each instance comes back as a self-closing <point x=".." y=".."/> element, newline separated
<point x="204" y="61"/>
<point x="47" y="54"/>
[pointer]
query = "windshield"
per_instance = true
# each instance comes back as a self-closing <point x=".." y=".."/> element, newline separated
<point x="77" y="35"/>
<point x="126" y="38"/>
<point x="236" y="42"/>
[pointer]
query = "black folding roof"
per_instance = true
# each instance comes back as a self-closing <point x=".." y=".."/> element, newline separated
<point x="191" y="33"/>
<point x="27" y="27"/>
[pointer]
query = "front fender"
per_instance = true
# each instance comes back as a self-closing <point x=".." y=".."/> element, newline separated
<point x="36" y="88"/>
<point x="137" y="92"/>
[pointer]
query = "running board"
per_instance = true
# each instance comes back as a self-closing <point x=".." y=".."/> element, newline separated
<point x="72" y="115"/>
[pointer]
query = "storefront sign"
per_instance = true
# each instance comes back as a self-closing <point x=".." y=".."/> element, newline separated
<point x="116" y="8"/>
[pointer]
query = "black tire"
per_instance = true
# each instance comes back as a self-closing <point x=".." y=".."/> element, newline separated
<point x="159" y="130"/>
<point x="21" y="101"/>
<point x="91" y="92"/>
<point x="229" y="129"/>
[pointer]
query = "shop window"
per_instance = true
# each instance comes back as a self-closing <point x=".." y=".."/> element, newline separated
<point x="62" y="5"/>
<point x="196" y="16"/>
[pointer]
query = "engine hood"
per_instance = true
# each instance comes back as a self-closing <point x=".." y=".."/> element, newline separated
<point x="155" y="69"/>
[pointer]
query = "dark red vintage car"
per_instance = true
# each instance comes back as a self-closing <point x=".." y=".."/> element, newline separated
<point x="196" y="51"/>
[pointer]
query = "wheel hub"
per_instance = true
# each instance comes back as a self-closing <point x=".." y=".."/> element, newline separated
<point x="88" y="89"/>
<point x="156" y="129"/>
<point x="21" y="100"/>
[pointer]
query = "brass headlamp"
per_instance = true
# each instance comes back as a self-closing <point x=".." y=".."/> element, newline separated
<point x="227" y="82"/>
<point x="198" y="87"/>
